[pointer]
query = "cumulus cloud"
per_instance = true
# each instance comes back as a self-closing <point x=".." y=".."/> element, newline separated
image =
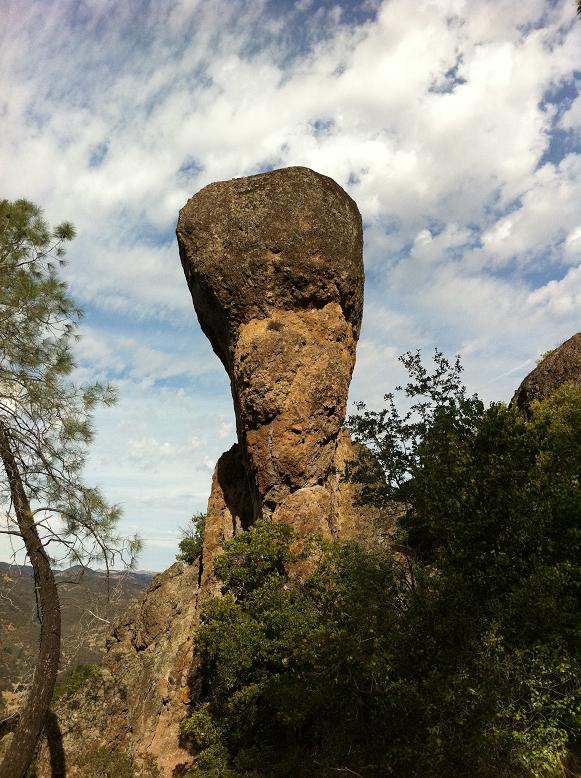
<point x="545" y="222"/>
<point x="154" y="454"/>
<point x="455" y="128"/>
<point x="148" y="452"/>
<point x="139" y="357"/>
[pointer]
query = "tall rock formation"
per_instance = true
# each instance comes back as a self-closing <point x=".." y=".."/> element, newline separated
<point x="274" y="265"/>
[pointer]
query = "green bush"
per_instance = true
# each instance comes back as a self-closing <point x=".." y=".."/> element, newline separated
<point x="458" y="656"/>
<point x="73" y="682"/>
<point x="101" y="762"/>
<point x="31" y="770"/>
<point x="192" y="541"/>
<point x="104" y="763"/>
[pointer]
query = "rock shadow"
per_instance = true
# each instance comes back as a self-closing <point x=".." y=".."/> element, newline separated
<point x="233" y="480"/>
<point x="56" y="750"/>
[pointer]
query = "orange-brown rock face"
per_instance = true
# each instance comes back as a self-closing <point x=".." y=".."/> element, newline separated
<point x="135" y="704"/>
<point x="274" y="265"/>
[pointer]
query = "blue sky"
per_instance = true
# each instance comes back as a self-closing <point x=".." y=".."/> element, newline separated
<point x="456" y="126"/>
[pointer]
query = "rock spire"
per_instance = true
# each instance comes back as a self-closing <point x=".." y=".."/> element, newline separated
<point x="274" y="265"/>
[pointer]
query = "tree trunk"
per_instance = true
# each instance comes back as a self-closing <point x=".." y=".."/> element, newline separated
<point x="33" y="716"/>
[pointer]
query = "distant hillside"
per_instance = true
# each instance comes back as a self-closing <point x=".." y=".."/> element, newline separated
<point x="90" y="604"/>
<point x="143" y="577"/>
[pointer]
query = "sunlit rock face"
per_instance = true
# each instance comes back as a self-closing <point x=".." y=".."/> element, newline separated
<point x="274" y="265"/>
<point x="560" y="366"/>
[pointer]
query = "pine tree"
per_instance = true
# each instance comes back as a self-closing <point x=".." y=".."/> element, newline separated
<point x="45" y="427"/>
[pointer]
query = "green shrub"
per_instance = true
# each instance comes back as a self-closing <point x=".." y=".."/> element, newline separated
<point x="31" y="770"/>
<point x="73" y="682"/>
<point x="101" y="762"/>
<point x="192" y="541"/>
<point x="104" y="763"/>
<point x="458" y="656"/>
<point x="150" y="768"/>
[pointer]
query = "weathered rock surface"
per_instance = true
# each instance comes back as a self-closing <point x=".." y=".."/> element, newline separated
<point x="137" y="703"/>
<point x="289" y="240"/>
<point x="274" y="265"/>
<point x="558" y="367"/>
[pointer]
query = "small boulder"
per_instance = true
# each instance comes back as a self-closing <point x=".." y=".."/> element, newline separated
<point x="560" y="366"/>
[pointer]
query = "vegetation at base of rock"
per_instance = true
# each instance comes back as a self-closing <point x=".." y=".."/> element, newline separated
<point x="192" y="540"/>
<point x="459" y="655"/>
<point x="104" y="763"/>
<point x="73" y="682"/>
<point x="101" y="762"/>
<point x="31" y="771"/>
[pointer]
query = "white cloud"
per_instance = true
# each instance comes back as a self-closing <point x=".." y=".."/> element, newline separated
<point x="560" y="298"/>
<point x="571" y="119"/>
<point x="148" y="452"/>
<point x="103" y="354"/>
<point x="155" y="453"/>
<point x="437" y="122"/>
<point x="547" y="213"/>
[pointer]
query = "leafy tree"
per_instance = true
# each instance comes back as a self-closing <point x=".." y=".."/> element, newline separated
<point x="492" y="509"/>
<point x="45" y="427"/>
<point x="456" y="653"/>
<point x="192" y="541"/>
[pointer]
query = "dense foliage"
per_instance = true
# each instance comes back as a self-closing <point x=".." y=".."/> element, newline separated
<point x="458" y="655"/>
<point x="192" y="540"/>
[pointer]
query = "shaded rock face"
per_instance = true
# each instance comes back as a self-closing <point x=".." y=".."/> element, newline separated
<point x="229" y="511"/>
<point x="274" y="266"/>
<point x="558" y="367"/>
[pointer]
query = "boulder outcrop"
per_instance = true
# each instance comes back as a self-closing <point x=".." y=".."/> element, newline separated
<point x="560" y="366"/>
<point x="274" y="265"/>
